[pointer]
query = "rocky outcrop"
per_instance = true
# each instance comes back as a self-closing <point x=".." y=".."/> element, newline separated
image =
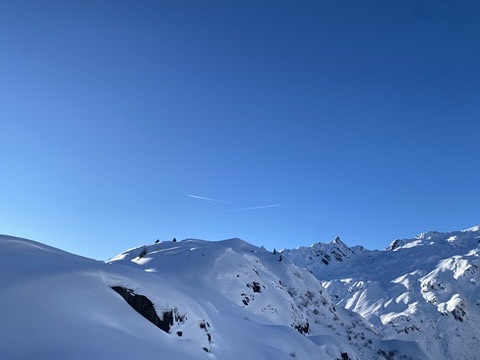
<point x="145" y="307"/>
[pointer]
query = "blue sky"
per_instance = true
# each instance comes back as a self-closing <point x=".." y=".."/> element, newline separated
<point x="360" y="119"/>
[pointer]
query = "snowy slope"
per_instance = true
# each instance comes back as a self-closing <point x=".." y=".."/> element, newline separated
<point x="423" y="289"/>
<point x="254" y="285"/>
<point x="218" y="300"/>
<point x="232" y="300"/>
<point x="55" y="305"/>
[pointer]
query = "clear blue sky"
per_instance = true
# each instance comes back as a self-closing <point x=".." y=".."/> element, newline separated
<point x="360" y="118"/>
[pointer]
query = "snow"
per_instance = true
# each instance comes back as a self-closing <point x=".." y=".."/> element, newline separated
<point x="418" y="299"/>
<point x="56" y="305"/>
<point x="418" y="289"/>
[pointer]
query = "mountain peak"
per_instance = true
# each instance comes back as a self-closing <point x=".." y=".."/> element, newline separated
<point x="338" y="241"/>
<point x="475" y="228"/>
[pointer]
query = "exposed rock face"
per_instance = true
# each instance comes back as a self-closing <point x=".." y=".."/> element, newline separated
<point x="145" y="307"/>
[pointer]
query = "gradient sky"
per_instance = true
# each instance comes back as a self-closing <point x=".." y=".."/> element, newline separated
<point x="359" y="118"/>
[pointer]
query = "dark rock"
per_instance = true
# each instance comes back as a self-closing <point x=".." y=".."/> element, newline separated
<point x="143" y="252"/>
<point x="145" y="307"/>
<point x="255" y="286"/>
<point x="458" y="313"/>
<point x="302" y="328"/>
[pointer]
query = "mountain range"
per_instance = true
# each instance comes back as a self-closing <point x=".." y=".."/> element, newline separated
<point x="197" y="299"/>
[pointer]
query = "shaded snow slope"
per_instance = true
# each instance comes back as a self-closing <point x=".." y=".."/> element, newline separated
<point x="423" y="289"/>
<point x="227" y="300"/>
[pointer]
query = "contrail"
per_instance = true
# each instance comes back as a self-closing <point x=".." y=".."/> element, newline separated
<point x="208" y="199"/>
<point x="253" y="208"/>
<point x="229" y="211"/>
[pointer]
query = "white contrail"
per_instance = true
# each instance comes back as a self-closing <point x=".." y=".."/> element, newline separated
<point x="253" y="208"/>
<point x="208" y="199"/>
<point x="229" y="211"/>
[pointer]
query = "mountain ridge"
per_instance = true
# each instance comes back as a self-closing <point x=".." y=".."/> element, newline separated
<point x="424" y="285"/>
<point x="208" y="299"/>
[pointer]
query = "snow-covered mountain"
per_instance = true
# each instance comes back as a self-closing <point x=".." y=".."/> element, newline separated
<point x="197" y="299"/>
<point x="423" y="289"/>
